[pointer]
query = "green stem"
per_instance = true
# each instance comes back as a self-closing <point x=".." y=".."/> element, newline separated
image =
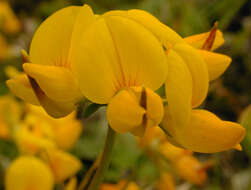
<point x="105" y="160"/>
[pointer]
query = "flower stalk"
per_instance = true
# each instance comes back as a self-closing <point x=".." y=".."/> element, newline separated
<point x="105" y="160"/>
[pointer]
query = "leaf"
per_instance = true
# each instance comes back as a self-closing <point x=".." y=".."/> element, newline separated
<point x="91" y="109"/>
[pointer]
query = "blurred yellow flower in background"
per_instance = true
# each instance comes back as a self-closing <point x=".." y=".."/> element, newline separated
<point x="10" y="115"/>
<point x="182" y="161"/>
<point x="166" y="182"/>
<point x="62" y="164"/>
<point x="9" y="23"/>
<point x="121" y="185"/>
<point x="37" y="134"/>
<point x="28" y="172"/>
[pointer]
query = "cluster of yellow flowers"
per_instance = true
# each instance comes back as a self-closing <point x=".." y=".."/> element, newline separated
<point x="182" y="161"/>
<point x="42" y="143"/>
<point x="119" y="59"/>
<point x="9" y="24"/>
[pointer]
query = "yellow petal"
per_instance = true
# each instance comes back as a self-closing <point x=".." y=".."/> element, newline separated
<point x="152" y="103"/>
<point x="188" y="168"/>
<point x="21" y="87"/>
<point x="51" y="42"/>
<point x="62" y="164"/>
<point x="83" y="20"/>
<point x="9" y="22"/>
<point x="72" y="184"/>
<point x="166" y="182"/>
<point x="151" y="136"/>
<point x="55" y="109"/>
<point x="124" y="112"/>
<point x="198" y="40"/>
<point x="238" y="147"/>
<point x="171" y="152"/>
<point x="129" y="55"/>
<point x="99" y="59"/>
<point x="165" y="35"/>
<point x="178" y="88"/>
<point x="140" y="54"/>
<point x="135" y="109"/>
<point x="216" y="63"/>
<point x="25" y="56"/>
<point x="132" y="186"/>
<point x="207" y="133"/>
<point x="57" y="83"/>
<point x="28" y="172"/>
<point x="67" y="133"/>
<point x="199" y="72"/>
<point x="29" y="143"/>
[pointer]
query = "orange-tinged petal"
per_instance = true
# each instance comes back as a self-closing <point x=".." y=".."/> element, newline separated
<point x="124" y="112"/>
<point x="238" y="147"/>
<point x="178" y="88"/>
<point x="51" y="42"/>
<point x="166" y="182"/>
<point x="188" y="168"/>
<point x="198" y="40"/>
<point x="62" y="164"/>
<point x="21" y="87"/>
<point x="28" y="172"/>
<point x="216" y="63"/>
<point x="58" y="83"/>
<point x="165" y="35"/>
<point x="207" y="133"/>
<point x="198" y="69"/>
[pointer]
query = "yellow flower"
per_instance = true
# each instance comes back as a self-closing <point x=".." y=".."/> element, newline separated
<point x="186" y="87"/>
<point x="127" y="54"/>
<point x="10" y="115"/>
<point x="205" y="43"/>
<point x="29" y="142"/>
<point x="190" y="169"/>
<point x="8" y="20"/>
<point x="28" y="172"/>
<point x="48" y="80"/>
<point x="64" y="131"/>
<point x="63" y="165"/>
<point x="39" y="131"/>
<point x="182" y="161"/>
<point x="130" y="65"/>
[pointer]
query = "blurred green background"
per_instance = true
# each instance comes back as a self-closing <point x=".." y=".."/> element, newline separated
<point x="228" y="96"/>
